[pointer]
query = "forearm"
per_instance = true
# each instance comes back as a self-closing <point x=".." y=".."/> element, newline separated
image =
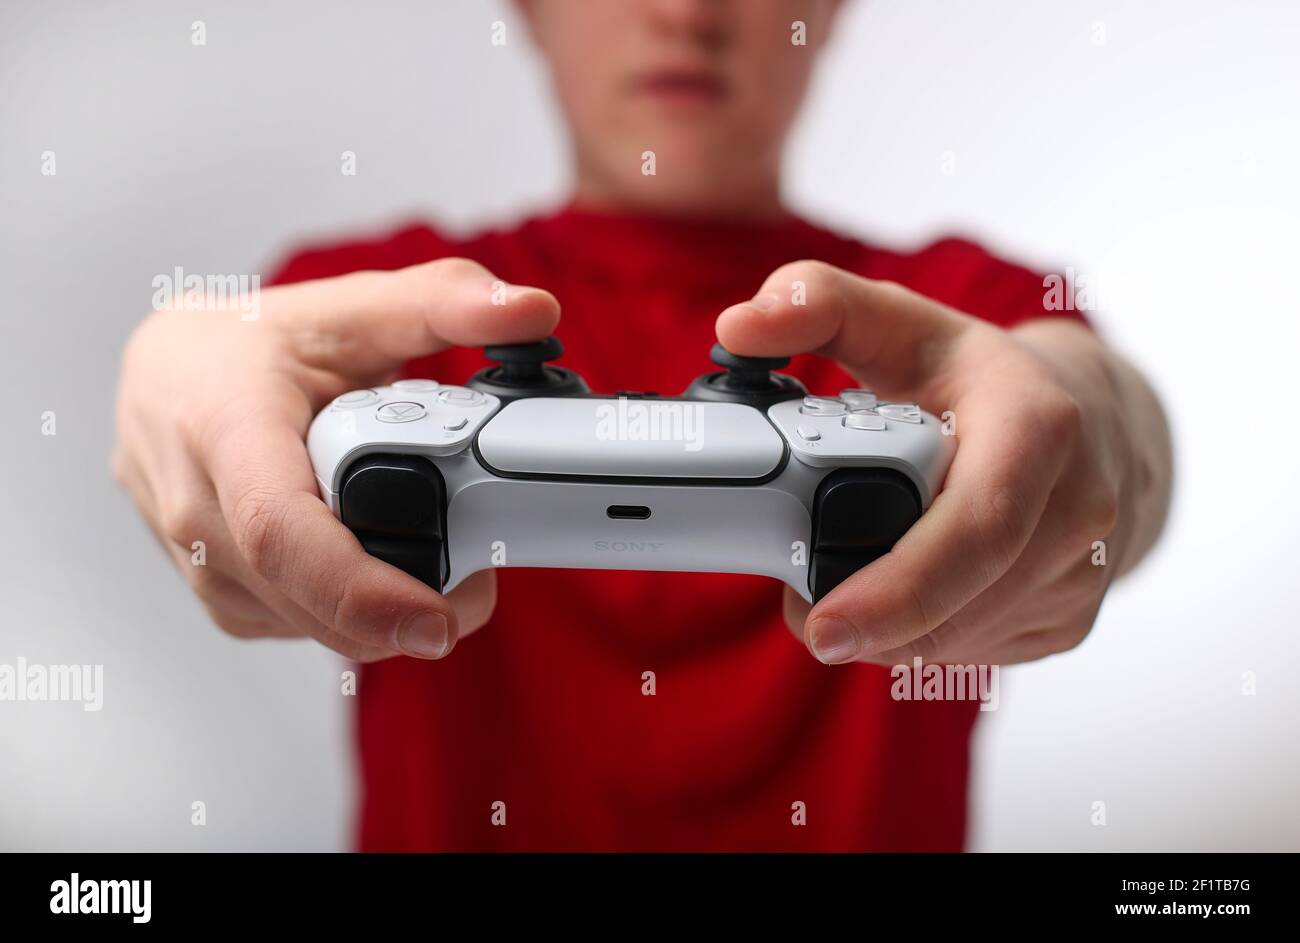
<point x="1114" y="393"/>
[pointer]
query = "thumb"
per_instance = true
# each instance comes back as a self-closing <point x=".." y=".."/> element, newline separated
<point x="368" y="324"/>
<point x="886" y="336"/>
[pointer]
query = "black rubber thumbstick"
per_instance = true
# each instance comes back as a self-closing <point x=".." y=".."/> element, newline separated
<point x="524" y="364"/>
<point x="749" y="380"/>
<point x="747" y="372"/>
<point x="521" y="370"/>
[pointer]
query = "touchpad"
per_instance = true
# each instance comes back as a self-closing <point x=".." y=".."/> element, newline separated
<point x="631" y="438"/>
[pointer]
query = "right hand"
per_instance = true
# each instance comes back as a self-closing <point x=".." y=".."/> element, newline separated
<point x="212" y="413"/>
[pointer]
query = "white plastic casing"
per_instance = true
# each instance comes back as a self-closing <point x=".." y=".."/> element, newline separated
<point x="729" y="488"/>
<point x="656" y="438"/>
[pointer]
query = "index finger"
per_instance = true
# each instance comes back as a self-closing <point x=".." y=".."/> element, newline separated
<point x="368" y="323"/>
<point x="263" y="479"/>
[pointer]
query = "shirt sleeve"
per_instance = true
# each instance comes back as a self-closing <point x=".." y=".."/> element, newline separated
<point x="970" y="278"/>
<point x="409" y="246"/>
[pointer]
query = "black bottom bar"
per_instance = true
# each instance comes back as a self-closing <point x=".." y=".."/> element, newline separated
<point x="976" y="893"/>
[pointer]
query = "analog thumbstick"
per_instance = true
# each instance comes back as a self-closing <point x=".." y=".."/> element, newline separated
<point x="524" y="364"/>
<point x="747" y="373"/>
<point x="521" y="370"/>
<point x="749" y="380"/>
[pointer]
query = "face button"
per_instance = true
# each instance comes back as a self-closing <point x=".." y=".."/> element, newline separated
<point x="821" y="406"/>
<point x="867" y="422"/>
<point x="465" y="398"/>
<point x="903" y="412"/>
<point x="356" y="399"/>
<point x="808" y="434"/>
<point x="858" y="399"/>
<point x="400" y="412"/>
<point x="455" y="425"/>
<point x="416" y="386"/>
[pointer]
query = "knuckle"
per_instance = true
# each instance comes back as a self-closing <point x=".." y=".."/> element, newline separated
<point x="1066" y="638"/>
<point x="454" y="267"/>
<point x="814" y="273"/>
<point x="216" y="590"/>
<point x="1061" y="419"/>
<point x="907" y="624"/>
<point x="893" y="289"/>
<point x="802" y="268"/>
<point x="1055" y="641"/>
<point x="352" y="649"/>
<point x="258" y="519"/>
<point x="347" y="605"/>
<point x="181" y="522"/>
<point x="1090" y="579"/>
<point x="245" y="631"/>
<point x="1093" y="512"/>
<point x="205" y="583"/>
<point x="925" y="647"/>
<point x="368" y="656"/>
<point x="211" y="428"/>
<point x="359" y="606"/>
<point x="1002" y="523"/>
<point x="1102" y="512"/>
<point x="240" y="628"/>
<point x="917" y="618"/>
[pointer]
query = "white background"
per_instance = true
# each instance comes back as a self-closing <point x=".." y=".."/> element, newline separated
<point x="1155" y="147"/>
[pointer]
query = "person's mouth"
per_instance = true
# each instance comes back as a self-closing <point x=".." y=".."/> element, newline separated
<point x="682" y="86"/>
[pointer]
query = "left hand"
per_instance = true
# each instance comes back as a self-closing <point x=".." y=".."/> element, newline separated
<point x="1002" y="567"/>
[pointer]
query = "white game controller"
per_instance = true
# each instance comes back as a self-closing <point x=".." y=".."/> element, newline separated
<point x="523" y="466"/>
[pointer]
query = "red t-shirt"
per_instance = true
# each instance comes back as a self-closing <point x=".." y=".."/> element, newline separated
<point x="543" y="709"/>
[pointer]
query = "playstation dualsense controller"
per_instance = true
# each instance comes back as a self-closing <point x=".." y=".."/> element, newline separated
<point x="525" y="466"/>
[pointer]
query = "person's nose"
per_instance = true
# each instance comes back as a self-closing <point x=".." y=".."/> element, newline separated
<point x="706" y="21"/>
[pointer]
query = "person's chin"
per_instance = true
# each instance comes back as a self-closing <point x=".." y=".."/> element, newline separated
<point x="700" y="196"/>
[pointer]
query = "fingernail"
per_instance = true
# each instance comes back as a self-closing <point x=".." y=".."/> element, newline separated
<point x="424" y="635"/>
<point x="832" y="640"/>
<point x="765" y="302"/>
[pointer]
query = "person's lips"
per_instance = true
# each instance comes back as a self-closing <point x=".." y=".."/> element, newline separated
<point x="683" y="85"/>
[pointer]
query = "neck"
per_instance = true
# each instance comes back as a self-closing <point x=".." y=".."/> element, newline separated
<point x="761" y="203"/>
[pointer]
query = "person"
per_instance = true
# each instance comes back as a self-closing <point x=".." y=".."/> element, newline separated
<point x="571" y="709"/>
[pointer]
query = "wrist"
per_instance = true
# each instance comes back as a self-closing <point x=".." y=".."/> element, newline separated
<point x="1128" y="432"/>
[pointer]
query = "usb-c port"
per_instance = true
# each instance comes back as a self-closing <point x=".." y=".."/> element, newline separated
<point x="628" y="512"/>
